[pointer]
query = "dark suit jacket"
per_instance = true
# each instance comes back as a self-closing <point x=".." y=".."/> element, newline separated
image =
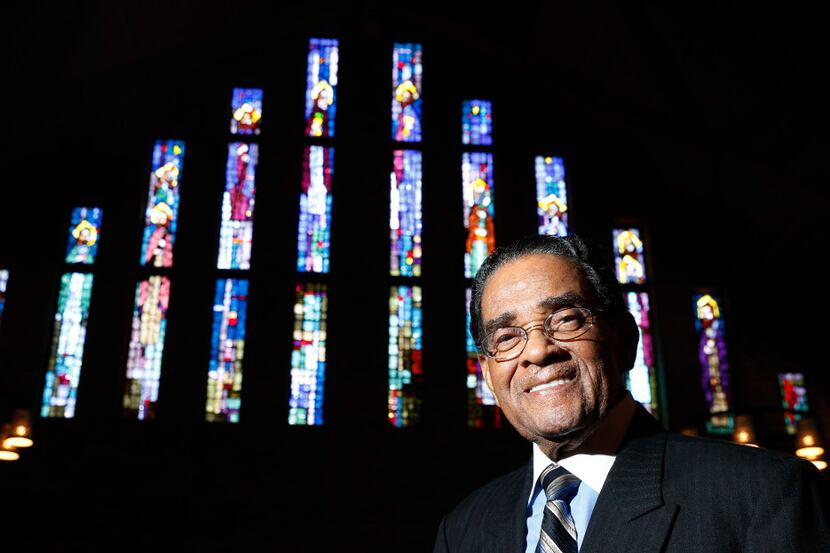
<point x="666" y="492"/>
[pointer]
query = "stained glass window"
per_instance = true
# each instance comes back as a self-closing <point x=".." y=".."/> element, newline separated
<point x="477" y="171"/>
<point x="714" y="363"/>
<point x="551" y="196"/>
<point x="162" y="204"/>
<point x="640" y="380"/>
<point x="60" y="391"/>
<point x="246" y="110"/>
<point x="477" y="122"/>
<point x="482" y="411"/>
<point x="405" y="219"/>
<point x="83" y="235"/>
<point x="236" y="234"/>
<point x="314" y="231"/>
<point x="628" y="256"/>
<point x="793" y="399"/>
<point x="405" y="375"/>
<point x="308" y="359"/>
<point x="4" y="282"/>
<point x="406" y="92"/>
<point x="152" y="298"/>
<point x="321" y="87"/>
<point x="227" y="349"/>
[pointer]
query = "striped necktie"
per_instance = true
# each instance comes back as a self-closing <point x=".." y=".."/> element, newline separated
<point x="558" y="530"/>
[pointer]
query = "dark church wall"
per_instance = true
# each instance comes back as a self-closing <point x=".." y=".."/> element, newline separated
<point x="706" y="125"/>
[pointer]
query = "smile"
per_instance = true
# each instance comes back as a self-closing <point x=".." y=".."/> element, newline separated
<point x="551" y="384"/>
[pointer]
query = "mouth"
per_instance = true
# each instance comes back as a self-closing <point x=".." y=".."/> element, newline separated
<point x="560" y="380"/>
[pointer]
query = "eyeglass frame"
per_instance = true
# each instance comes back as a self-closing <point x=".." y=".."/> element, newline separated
<point x="591" y="314"/>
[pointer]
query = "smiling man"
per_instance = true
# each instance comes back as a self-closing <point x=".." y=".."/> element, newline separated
<point x="555" y="340"/>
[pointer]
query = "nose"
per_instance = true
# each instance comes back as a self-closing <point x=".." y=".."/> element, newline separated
<point x="539" y="347"/>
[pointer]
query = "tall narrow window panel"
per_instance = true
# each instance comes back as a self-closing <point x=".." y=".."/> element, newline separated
<point x="628" y="256"/>
<point x="60" y="391"/>
<point x="149" y="323"/>
<point x="640" y="380"/>
<point x="407" y="72"/>
<point x="227" y="350"/>
<point x="477" y="175"/>
<point x="314" y="229"/>
<point x="405" y="375"/>
<point x="308" y="358"/>
<point x="482" y="411"/>
<point x="4" y="282"/>
<point x="477" y="122"/>
<point x="246" y="110"/>
<point x="405" y="219"/>
<point x="793" y="399"/>
<point x="714" y="363"/>
<point x="237" y="230"/>
<point x="162" y="204"/>
<point x="83" y="235"/>
<point x="321" y="86"/>
<point x="551" y="196"/>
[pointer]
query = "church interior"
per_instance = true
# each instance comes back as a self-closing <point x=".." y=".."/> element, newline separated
<point x="240" y="239"/>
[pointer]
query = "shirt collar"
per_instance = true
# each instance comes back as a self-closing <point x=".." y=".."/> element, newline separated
<point x="594" y="458"/>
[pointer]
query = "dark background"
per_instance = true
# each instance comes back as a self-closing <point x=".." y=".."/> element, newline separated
<point x="705" y="123"/>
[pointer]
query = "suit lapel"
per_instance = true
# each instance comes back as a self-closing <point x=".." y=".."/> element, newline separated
<point x="505" y="522"/>
<point x="630" y="514"/>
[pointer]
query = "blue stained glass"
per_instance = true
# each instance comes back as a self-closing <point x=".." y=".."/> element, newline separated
<point x="321" y="87"/>
<point x="60" y="391"/>
<point x="482" y="411"/>
<point x="162" y="204"/>
<point x="477" y="122"/>
<point x="246" y="110"/>
<point x="308" y="358"/>
<point x="4" y="281"/>
<point x="314" y="228"/>
<point x="84" y="233"/>
<point x="405" y="217"/>
<point x="227" y="350"/>
<point x="551" y="196"/>
<point x="236" y="233"/>
<point x="405" y="368"/>
<point x="407" y="72"/>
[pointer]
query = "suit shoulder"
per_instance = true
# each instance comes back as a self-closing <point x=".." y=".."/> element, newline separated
<point x="498" y="492"/>
<point x="719" y="458"/>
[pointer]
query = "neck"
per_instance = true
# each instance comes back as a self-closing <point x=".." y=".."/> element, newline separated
<point x="595" y="437"/>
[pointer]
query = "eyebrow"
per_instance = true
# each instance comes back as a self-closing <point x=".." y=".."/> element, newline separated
<point x="550" y="303"/>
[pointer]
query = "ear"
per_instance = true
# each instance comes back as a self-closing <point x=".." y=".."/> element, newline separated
<point x="485" y="370"/>
<point x="629" y="335"/>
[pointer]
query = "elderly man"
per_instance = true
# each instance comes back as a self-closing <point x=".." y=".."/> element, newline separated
<point x="555" y="338"/>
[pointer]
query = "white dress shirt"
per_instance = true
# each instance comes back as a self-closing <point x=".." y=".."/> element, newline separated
<point x="590" y="462"/>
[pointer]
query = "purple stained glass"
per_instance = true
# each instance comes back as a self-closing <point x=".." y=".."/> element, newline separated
<point x="237" y="230"/>
<point x="551" y="196"/>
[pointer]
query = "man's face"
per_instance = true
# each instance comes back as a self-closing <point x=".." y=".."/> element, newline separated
<point x="585" y="372"/>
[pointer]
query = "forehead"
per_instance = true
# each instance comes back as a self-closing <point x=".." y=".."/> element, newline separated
<point x="524" y="282"/>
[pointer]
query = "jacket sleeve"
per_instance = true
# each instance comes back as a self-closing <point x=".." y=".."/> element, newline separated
<point x="792" y="512"/>
<point x="441" y="544"/>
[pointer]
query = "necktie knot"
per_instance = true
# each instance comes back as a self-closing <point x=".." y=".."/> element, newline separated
<point x="558" y="483"/>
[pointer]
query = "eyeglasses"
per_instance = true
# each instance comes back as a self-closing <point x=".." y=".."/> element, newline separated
<point x="563" y="325"/>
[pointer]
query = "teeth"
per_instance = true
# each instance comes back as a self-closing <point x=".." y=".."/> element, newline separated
<point x="550" y="384"/>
